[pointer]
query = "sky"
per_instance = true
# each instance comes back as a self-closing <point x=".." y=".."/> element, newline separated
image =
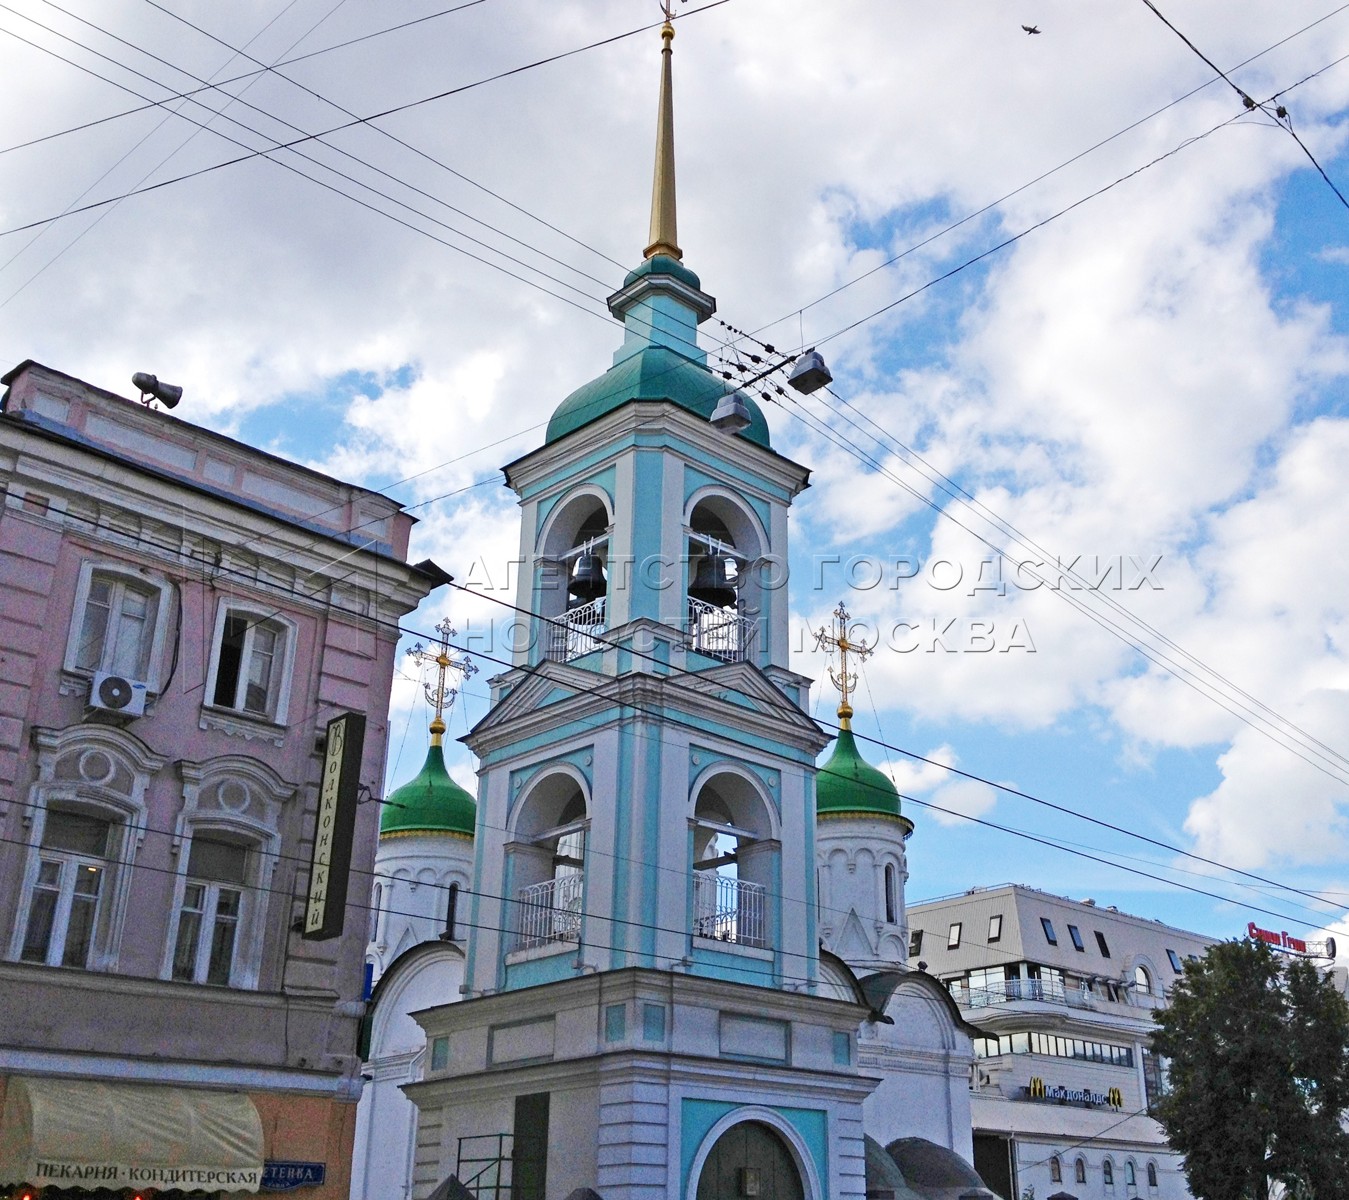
<point x="1080" y="478"/>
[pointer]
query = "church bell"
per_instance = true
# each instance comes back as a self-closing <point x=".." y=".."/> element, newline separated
<point x="713" y="582"/>
<point x="587" y="581"/>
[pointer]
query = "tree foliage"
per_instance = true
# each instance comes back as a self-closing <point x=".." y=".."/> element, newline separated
<point x="1259" y="1076"/>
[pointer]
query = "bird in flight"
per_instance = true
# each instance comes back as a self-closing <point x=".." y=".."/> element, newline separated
<point x="1031" y="28"/>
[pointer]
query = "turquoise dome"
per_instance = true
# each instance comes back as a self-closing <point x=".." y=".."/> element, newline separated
<point x="431" y="803"/>
<point x="848" y="784"/>
<point x="653" y="373"/>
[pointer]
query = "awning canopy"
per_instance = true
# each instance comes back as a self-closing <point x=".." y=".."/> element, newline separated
<point x="93" y="1134"/>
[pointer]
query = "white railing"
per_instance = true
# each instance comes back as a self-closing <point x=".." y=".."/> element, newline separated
<point x="719" y="632"/>
<point x="729" y="910"/>
<point x="577" y="631"/>
<point x="1048" y="991"/>
<point x="550" y="911"/>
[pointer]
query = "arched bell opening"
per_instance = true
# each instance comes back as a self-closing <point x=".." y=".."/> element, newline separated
<point x="572" y="580"/>
<point x="547" y="862"/>
<point x="734" y="865"/>
<point x="722" y="594"/>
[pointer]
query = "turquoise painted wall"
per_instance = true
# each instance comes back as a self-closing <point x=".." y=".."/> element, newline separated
<point x="698" y="1116"/>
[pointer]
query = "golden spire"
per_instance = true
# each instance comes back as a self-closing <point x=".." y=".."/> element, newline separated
<point x="835" y="637"/>
<point x="440" y="697"/>
<point x="664" y="237"/>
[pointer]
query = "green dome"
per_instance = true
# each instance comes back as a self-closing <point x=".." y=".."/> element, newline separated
<point x="847" y="783"/>
<point x="654" y="373"/>
<point x="430" y="803"/>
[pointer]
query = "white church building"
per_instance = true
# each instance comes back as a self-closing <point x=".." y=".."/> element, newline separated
<point x="663" y="952"/>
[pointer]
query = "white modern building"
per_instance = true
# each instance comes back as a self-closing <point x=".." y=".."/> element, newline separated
<point x="1063" y="993"/>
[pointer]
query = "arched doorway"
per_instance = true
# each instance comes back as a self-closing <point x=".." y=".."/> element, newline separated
<point x="750" y="1159"/>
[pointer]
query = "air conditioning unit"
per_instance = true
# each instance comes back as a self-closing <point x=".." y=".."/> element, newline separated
<point x="117" y="694"/>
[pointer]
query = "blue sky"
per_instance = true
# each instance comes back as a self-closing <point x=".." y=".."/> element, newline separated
<point x="1157" y="374"/>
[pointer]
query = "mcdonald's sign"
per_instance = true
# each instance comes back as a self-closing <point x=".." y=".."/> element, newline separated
<point x="1115" y="1098"/>
<point x="1036" y="1091"/>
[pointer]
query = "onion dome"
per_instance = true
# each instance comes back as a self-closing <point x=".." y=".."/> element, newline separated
<point x="848" y="784"/>
<point x="432" y="803"/>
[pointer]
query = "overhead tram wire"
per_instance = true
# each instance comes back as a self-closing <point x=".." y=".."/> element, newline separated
<point x="786" y="708"/>
<point x="268" y="153"/>
<point x="1279" y="115"/>
<point x="598" y="692"/>
<point x="366" y="120"/>
<point x="1054" y="171"/>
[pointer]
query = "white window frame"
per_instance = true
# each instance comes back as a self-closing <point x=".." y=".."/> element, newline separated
<point x="121" y="574"/>
<point x="282" y="665"/>
<point x="69" y="863"/>
<point x="91" y="749"/>
<point x="239" y="958"/>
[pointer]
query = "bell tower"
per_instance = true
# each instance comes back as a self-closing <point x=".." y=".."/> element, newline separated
<point x="647" y="770"/>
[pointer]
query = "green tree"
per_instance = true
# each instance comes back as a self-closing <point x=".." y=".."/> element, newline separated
<point x="1259" y="1076"/>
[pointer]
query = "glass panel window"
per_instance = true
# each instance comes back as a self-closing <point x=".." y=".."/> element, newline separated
<point x="1102" y="945"/>
<point x="995" y="927"/>
<point x="891" y="894"/>
<point x="248" y="664"/>
<point x="1108" y="1173"/>
<point x="1130" y="1177"/>
<point x="117" y="626"/>
<point x="1176" y="965"/>
<point x="953" y="936"/>
<point x="1142" y="980"/>
<point x="1048" y="926"/>
<point x="1076" y="935"/>
<point x="1152" y="1175"/>
<point x="1080" y="1171"/>
<point x="1055" y="1171"/>
<point x="915" y="942"/>
<point x="63" y="907"/>
<point x="210" y="912"/>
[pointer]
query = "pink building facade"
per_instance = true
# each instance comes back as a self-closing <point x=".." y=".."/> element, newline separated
<point x="180" y="617"/>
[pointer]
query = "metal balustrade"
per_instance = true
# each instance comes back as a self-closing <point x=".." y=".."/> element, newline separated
<point x="550" y="911"/>
<point x="719" y="632"/>
<point x="1048" y="991"/>
<point x="577" y="631"/>
<point x="728" y="910"/>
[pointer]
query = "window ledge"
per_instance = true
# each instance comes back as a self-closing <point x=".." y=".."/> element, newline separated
<point x="713" y="943"/>
<point x="233" y="723"/>
<point x="543" y="950"/>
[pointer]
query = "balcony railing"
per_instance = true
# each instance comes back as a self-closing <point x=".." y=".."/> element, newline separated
<point x="1048" y="991"/>
<point x="550" y="911"/>
<point x="728" y="910"/>
<point x="719" y="632"/>
<point x="577" y="631"/>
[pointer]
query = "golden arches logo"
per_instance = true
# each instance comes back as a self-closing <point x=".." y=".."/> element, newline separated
<point x="1037" y="1088"/>
<point x="1115" y="1098"/>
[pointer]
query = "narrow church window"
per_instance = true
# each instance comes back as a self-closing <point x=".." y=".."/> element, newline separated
<point x="891" y="895"/>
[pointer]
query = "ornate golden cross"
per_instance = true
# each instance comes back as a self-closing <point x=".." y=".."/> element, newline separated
<point x="440" y="697"/>
<point x="835" y="637"/>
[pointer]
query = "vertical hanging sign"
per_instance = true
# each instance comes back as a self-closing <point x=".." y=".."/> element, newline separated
<point x="334" y="826"/>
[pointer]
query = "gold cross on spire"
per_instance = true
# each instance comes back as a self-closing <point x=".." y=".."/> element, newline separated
<point x="835" y="637"/>
<point x="440" y="697"/>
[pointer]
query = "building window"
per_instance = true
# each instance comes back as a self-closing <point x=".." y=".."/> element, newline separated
<point x="63" y="909"/>
<point x="1152" y="1175"/>
<point x="995" y="927"/>
<point x="209" y="913"/>
<point x="1101" y="944"/>
<point x="1080" y="1171"/>
<point x="1076" y="935"/>
<point x="451" y="913"/>
<point x="250" y="667"/>
<point x="953" y="937"/>
<point x="1176" y="965"/>
<point x="1055" y="1170"/>
<point x="1142" y="980"/>
<point x="1108" y="1173"/>
<point x="1130" y="1176"/>
<point x="1048" y="926"/>
<point x="116" y="626"/>
<point x="915" y="942"/>
<point x="891" y="894"/>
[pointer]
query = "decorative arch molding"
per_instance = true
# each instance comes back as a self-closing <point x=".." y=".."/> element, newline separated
<point x="405" y="972"/>
<point x="106" y="771"/>
<point x="527" y="790"/>
<point x="767" y="801"/>
<point x="750" y="527"/>
<point x="235" y="794"/>
<point x="549" y="532"/>
<point x="791" y="1137"/>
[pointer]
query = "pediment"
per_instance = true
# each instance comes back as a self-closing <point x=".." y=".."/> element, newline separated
<point x="744" y="685"/>
<point x="551" y="683"/>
